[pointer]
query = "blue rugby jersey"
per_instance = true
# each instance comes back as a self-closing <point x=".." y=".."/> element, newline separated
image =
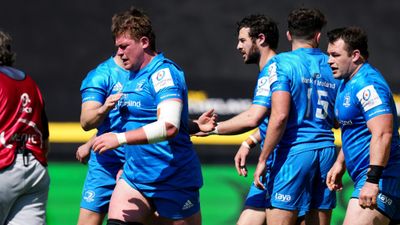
<point x="168" y="164"/>
<point x="106" y="79"/>
<point x="262" y="96"/>
<point x="360" y="99"/>
<point x="306" y="75"/>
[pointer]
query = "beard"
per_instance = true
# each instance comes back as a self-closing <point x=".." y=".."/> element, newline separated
<point x="253" y="56"/>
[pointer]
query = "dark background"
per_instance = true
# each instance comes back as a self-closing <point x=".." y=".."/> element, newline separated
<point x="58" y="42"/>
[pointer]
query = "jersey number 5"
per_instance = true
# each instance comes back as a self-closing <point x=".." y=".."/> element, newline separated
<point x="321" y="111"/>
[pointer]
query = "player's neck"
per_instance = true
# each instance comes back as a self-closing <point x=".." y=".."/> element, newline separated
<point x="148" y="56"/>
<point x="357" y="68"/>
<point x="296" y="44"/>
<point x="265" y="57"/>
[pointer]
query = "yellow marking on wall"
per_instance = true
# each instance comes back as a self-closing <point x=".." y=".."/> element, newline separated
<point x="71" y="132"/>
<point x="197" y="95"/>
<point x="68" y="132"/>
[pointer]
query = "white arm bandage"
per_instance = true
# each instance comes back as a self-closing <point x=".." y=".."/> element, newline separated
<point x="170" y="112"/>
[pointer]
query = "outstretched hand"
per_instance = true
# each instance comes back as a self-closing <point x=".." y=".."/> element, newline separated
<point x="206" y="122"/>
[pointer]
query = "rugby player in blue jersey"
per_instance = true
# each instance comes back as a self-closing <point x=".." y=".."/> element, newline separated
<point x="299" y="127"/>
<point x="257" y="41"/>
<point x="258" y="38"/>
<point x="101" y="90"/>
<point x="162" y="172"/>
<point x="368" y="120"/>
<point x="100" y="93"/>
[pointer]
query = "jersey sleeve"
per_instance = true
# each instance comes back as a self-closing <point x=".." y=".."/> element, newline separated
<point x="373" y="99"/>
<point x="45" y="121"/>
<point x="167" y="84"/>
<point x="94" y="87"/>
<point x="262" y="95"/>
<point x="279" y="76"/>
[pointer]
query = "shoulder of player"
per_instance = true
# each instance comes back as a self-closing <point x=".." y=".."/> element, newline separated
<point x="101" y="73"/>
<point x="368" y="75"/>
<point x="168" y="67"/>
<point x="286" y="58"/>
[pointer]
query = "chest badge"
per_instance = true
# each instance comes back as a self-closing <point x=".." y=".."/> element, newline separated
<point x="346" y="102"/>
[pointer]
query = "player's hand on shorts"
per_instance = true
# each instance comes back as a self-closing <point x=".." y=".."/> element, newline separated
<point x="83" y="152"/>
<point x="240" y="160"/>
<point x="259" y="175"/>
<point x="368" y="195"/>
<point x="110" y="103"/>
<point x="105" y="142"/>
<point x="334" y="177"/>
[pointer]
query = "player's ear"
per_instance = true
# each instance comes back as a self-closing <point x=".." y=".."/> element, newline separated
<point x="356" y="56"/>
<point x="261" y="39"/>
<point x="289" y="36"/>
<point x="317" y="37"/>
<point x="145" y="42"/>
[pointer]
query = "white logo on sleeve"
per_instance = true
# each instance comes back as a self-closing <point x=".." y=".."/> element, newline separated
<point x="272" y="73"/>
<point x="369" y="98"/>
<point x="262" y="87"/>
<point x="162" y="79"/>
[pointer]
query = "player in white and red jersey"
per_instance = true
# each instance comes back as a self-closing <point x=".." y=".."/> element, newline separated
<point x="23" y="144"/>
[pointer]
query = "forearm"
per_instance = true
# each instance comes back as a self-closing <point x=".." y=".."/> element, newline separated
<point x="235" y="125"/>
<point x="340" y="161"/>
<point x="275" y="131"/>
<point x="381" y="128"/>
<point x="380" y="149"/>
<point x="91" y="140"/>
<point x="277" y="122"/>
<point x="92" y="117"/>
<point x="166" y="127"/>
<point x="243" y="122"/>
<point x="151" y="133"/>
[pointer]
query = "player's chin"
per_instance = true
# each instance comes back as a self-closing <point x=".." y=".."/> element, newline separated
<point x="336" y="74"/>
<point x="127" y="65"/>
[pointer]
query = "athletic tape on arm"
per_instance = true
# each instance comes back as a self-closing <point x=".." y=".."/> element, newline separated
<point x="170" y="112"/>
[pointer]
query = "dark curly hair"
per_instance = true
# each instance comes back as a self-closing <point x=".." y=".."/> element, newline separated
<point x="303" y="23"/>
<point x="261" y="24"/>
<point x="7" y="57"/>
